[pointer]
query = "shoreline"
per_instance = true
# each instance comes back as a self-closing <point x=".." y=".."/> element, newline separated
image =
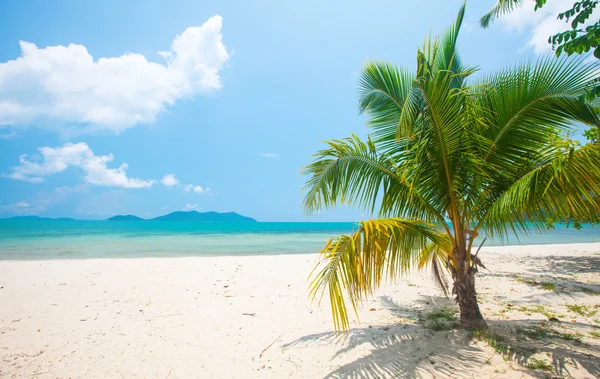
<point x="249" y="316"/>
<point x="485" y="249"/>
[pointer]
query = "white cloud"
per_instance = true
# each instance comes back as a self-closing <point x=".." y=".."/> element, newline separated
<point x="169" y="180"/>
<point x="21" y="208"/>
<point x="56" y="160"/>
<point x="64" y="85"/>
<point x="269" y="155"/>
<point x="540" y="24"/>
<point x="192" y="207"/>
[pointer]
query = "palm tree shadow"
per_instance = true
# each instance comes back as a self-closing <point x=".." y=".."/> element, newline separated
<point x="396" y="351"/>
<point x="560" y="270"/>
<point x="401" y="350"/>
<point x="565" y="355"/>
<point x="410" y="350"/>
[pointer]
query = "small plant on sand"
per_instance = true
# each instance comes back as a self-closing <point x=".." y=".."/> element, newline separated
<point x="539" y="364"/>
<point x="583" y="310"/>
<point x="536" y="309"/>
<point x="440" y="319"/>
<point x="530" y="282"/>
<point x="548" y="286"/>
<point x="571" y="337"/>
<point x="445" y="314"/>
<point x="496" y="341"/>
<point x="535" y="332"/>
<point x="596" y="335"/>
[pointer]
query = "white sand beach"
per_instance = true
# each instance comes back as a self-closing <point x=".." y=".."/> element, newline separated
<point x="246" y="317"/>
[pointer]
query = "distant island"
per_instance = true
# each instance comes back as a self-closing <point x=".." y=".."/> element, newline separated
<point x="125" y="218"/>
<point x="194" y="216"/>
<point x="190" y="216"/>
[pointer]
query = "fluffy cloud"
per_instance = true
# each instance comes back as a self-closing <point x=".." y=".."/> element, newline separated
<point x="58" y="159"/>
<point x="269" y="155"/>
<point x="64" y="85"/>
<point x="540" y="24"/>
<point x="169" y="180"/>
<point x="20" y="208"/>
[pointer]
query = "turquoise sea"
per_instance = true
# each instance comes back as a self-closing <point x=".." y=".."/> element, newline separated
<point x="73" y="239"/>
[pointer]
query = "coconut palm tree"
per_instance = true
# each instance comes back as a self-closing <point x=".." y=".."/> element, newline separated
<point x="450" y="159"/>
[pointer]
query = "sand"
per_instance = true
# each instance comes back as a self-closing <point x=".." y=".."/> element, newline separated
<point x="246" y="317"/>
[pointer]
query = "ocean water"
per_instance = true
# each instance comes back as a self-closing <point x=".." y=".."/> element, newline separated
<point x="71" y="239"/>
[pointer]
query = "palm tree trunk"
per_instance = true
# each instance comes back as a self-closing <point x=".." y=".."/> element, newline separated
<point x="466" y="297"/>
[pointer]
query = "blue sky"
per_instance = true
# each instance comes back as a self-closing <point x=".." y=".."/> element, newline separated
<point x="204" y="105"/>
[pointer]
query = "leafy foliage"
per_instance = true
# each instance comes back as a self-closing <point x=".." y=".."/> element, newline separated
<point x="577" y="40"/>
<point x="450" y="158"/>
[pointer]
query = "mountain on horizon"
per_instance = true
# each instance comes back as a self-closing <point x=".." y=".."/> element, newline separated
<point x="189" y="216"/>
<point x="194" y="216"/>
<point x="204" y="217"/>
<point x="125" y="218"/>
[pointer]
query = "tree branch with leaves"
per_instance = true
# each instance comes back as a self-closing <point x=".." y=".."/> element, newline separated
<point x="579" y="39"/>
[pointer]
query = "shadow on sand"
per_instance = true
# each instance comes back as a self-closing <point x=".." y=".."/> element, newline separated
<point x="561" y="271"/>
<point x="409" y="350"/>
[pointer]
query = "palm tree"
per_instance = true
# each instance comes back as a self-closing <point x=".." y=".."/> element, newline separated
<point x="450" y="159"/>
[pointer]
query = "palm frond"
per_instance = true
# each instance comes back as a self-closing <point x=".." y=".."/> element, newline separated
<point x="531" y="102"/>
<point x="502" y="7"/>
<point x="433" y="255"/>
<point x="566" y="186"/>
<point x="352" y="172"/>
<point x="354" y="266"/>
<point x="447" y="58"/>
<point x="384" y="94"/>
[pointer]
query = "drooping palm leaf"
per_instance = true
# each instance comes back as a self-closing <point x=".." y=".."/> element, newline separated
<point x="352" y="266"/>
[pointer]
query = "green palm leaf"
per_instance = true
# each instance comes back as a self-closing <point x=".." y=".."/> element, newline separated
<point x="501" y="7"/>
<point x="449" y="160"/>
